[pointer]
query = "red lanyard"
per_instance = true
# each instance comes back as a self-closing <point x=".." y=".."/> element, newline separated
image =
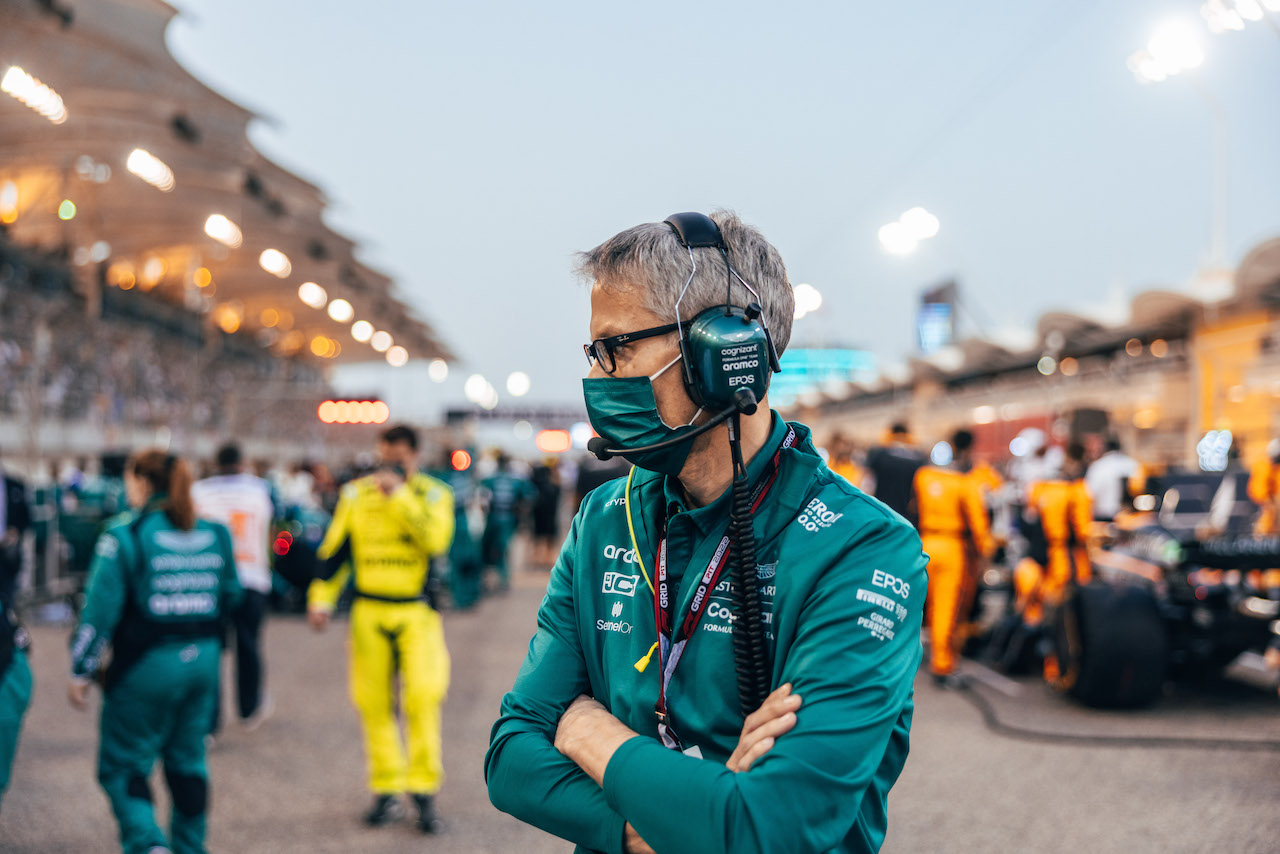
<point x="669" y="649"/>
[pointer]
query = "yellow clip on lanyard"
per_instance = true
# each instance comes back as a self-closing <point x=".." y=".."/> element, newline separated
<point x="635" y="547"/>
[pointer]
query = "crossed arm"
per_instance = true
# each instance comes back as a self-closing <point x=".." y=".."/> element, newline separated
<point x="589" y="735"/>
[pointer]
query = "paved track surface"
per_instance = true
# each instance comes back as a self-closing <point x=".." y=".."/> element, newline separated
<point x="296" y="785"/>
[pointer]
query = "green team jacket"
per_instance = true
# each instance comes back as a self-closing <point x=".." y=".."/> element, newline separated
<point x="843" y="587"/>
<point x="187" y="577"/>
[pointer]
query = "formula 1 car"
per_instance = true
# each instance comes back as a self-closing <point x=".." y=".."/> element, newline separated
<point x="1167" y="600"/>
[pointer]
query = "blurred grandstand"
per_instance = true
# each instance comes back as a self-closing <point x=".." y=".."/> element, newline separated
<point x="1174" y="366"/>
<point x="157" y="273"/>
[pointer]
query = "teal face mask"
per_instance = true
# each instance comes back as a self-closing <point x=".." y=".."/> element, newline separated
<point x="624" y="412"/>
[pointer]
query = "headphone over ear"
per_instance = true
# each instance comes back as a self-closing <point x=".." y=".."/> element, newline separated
<point x="725" y="347"/>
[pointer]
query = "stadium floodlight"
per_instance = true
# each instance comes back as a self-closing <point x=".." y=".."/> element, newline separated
<point x="1177" y="47"/>
<point x="275" y="262"/>
<point x="1173" y="48"/>
<point x="518" y="384"/>
<point x="312" y="294"/>
<point x="896" y="239"/>
<point x="397" y="356"/>
<point x="151" y="169"/>
<point x="905" y="234"/>
<point x="224" y="231"/>
<point x="438" y="370"/>
<point x="341" y="310"/>
<point x="920" y="223"/>
<point x="480" y="391"/>
<point x="1225" y="15"/>
<point x="381" y="341"/>
<point x="361" y="330"/>
<point x="34" y="94"/>
<point x="808" y="299"/>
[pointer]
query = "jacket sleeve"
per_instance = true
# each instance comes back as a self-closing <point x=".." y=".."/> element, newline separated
<point x="104" y="601"/>
<point x="805" y="794"/>
<point x="429" y="520"/>
<point x="527" y="776"/>
<point x="323" y="593"/>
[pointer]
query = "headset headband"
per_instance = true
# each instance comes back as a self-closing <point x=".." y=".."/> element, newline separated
<point x="698" y="231"/>
<point x="695" y="230"/>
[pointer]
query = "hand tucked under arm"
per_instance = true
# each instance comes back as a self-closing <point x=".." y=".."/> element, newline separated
<point x="589" y="735"/>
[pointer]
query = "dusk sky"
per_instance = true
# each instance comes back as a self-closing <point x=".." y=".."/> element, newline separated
<point x="473" y="148"/>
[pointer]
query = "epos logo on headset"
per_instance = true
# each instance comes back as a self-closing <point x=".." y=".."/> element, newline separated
<point x="620" y="583"/>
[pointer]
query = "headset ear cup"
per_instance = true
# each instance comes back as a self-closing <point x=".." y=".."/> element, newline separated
<point x="689" y="371"/>
<point x="726" y="350"/>
<point x="775" y="366"/>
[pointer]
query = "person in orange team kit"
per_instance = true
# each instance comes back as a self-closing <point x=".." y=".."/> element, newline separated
<point x="1058" y="517"/>
<point x="955" y="533"/>
<point x="1264" y="490"/>
<point x="841" y="460"/>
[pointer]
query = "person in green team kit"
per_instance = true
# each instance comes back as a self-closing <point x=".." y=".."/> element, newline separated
<point x="506" y="493"/>
<point x="15" y="688"/>
<point x="465" y="565"/>
<point x="159" y="587"/>
<point x="620" y="737"/>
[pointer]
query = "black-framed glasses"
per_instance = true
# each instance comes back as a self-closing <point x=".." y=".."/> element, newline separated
<point x="601" y="350"/>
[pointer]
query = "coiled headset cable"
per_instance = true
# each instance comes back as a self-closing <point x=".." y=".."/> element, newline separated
<point x="750" y="649"/>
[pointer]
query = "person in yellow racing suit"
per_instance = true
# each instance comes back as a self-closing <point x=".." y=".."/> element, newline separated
<point x="955" y="533"/>
<point x="385" y="531"/>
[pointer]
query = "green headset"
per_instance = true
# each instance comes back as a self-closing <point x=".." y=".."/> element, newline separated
<point x="726" y="348"/>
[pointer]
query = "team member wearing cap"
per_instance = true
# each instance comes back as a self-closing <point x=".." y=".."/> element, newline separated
<point x="160" y="586"/>
<point x="593" y="744"/>
<point x="386" y="529"/>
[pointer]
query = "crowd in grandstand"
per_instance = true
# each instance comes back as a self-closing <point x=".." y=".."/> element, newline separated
<point x="63" y="361"/>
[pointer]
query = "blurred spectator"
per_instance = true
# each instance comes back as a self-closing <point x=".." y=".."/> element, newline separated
<point x="15" y="519"/>
<point x="1264" y="489"/>
<point x="546" y="513"/>
<point x="244" y="504"/>
<point x="505" y="494"/>
<point x="465" y="566"/>
<point x="1108" y="480"/>
<point x="891" y="469"/>
<point x="15" y="687"/>
<point x="593" y="473"/>
<point x="840" y="459"/>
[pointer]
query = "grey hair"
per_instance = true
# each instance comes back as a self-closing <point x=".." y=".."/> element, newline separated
<point x="651" y="259"/>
